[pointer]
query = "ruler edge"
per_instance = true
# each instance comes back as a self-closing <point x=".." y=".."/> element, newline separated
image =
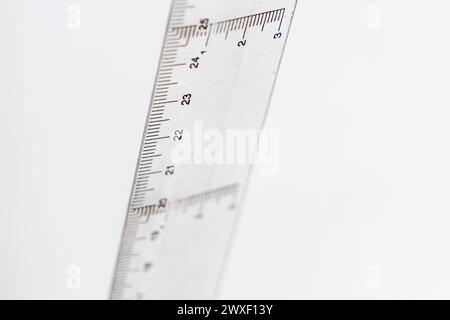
<point x="147" y="119"/>
<point x="249" y="173"/>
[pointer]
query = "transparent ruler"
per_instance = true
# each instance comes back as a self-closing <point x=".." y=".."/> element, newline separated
<point x="217" y="71"/>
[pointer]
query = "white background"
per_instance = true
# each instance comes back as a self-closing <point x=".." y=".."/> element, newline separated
<point x="359" y="208"/>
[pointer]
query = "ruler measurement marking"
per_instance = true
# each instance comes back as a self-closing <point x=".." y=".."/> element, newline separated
<point x="165" y="102"/>
<point x="209" y="35"/>
<point x="159" y="121"/>
<point x="166" y="85"/>
<point x="159" y="138"/>
<point x="228" y="25"/>
<point x="159" y="108"/>
<point x="174" y="65"/>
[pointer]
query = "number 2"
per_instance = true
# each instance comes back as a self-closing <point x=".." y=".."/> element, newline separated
<point x="242" y="43"/>
<point x="178" y="135"/>
<point x="186" y="99"/>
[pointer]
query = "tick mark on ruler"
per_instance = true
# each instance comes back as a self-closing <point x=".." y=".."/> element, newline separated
<point x="165" y="102"/>
<point x="159" y="121"/>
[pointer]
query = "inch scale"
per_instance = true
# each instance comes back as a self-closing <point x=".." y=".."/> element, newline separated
<point x="217" y="72"/>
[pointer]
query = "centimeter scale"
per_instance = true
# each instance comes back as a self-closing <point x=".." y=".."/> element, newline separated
<point x="217" y="71"/>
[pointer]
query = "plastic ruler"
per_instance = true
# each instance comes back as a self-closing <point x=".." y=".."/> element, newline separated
<point x="217" y="71"/>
